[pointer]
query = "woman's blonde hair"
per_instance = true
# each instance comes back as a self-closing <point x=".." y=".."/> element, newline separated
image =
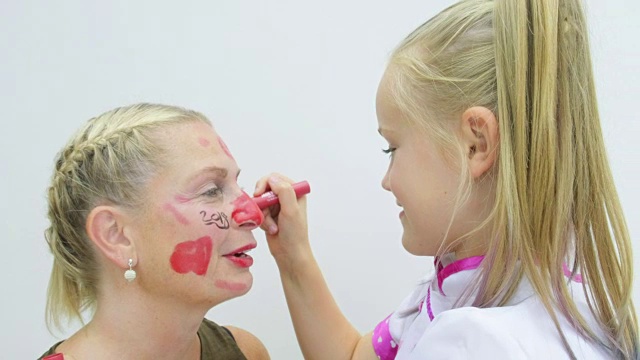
<point x="109" y="160"/>
<point x="529" y="62"/>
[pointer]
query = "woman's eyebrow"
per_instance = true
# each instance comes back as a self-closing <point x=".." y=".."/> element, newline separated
<point x="217" y="171"/>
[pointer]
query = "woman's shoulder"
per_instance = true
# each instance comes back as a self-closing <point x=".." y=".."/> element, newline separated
<point x="229" y="342"/>
<point x="216" y="339"/>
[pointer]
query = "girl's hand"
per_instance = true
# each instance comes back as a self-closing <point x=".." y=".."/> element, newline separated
<point x="285" y="224"/>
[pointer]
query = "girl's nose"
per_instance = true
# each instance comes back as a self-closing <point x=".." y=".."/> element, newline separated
<point x="246" y="213"/>
<point x="386" y="181"/>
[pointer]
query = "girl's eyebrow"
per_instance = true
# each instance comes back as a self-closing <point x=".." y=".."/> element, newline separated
<point x="384" y="132"/>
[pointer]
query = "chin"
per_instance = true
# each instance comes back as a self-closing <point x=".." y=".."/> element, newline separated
<point x="413" y="245"/>
<point x="236" y="286"/>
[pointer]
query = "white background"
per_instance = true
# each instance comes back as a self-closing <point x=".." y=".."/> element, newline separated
<point x="290" y="86"/>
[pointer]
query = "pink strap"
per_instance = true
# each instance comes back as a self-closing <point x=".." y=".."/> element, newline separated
<point x="469" y="263"/>
<point x="429" y="311"/>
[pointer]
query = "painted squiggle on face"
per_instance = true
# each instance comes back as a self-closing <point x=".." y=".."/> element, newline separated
<point x="230" y="286"/>
<point x="192" y="256"/>
<point x="224" y="147"/>
<point x="172" y="209"/>
<point x="218" y="219"/>
<point x="246" y="211"/>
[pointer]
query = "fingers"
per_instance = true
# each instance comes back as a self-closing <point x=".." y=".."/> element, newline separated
<point x="263" y="185"/>
<point x="281" y="186"/>
<point x="269" y="225"/>
<point x="289" y="205"/>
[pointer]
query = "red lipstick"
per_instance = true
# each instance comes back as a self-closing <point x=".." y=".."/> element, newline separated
<point x="239" y="256"/>
<point x="269" y="198"/>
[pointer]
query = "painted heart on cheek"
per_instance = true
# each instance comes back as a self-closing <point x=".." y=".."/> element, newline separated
<point x="192" y="256"/>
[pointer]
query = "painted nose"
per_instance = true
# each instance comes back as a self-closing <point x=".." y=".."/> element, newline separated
<point x="246" y="213"/>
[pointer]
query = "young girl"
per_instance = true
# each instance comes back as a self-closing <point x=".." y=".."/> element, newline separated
<point x="498" y="162"/>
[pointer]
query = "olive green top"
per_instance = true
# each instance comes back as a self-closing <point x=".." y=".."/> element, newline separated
<point x="217" y="343"/>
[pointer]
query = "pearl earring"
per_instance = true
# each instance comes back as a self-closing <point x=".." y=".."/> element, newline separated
<point x="130" y="274"/>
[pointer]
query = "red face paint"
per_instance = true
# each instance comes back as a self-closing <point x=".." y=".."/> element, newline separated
<point x="246" y="211"/>
<point x="230" y="286"/>
<point x="192" y="256"/>
<point x="172" y="209"/>
<point x="224" y="147"/>
<point x="204" y="142"/>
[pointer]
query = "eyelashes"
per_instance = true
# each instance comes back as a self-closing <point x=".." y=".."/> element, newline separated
<point x="389" y="151"/>
<point x="215" y="192"/>
<point x="212" y="192"/>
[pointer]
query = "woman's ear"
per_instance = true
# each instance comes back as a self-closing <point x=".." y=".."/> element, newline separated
<point x="105" y="227"/>
<point x="480" y="137"/>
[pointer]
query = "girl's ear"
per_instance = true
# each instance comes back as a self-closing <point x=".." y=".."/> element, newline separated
<point x="480" y="137"/>
<point x="105" y="228"/>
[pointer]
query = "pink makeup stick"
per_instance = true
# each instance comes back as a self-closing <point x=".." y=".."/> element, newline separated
<point x="269" y="198"/>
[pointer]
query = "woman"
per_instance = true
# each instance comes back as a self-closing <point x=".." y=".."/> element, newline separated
<point x="149" y="230"/>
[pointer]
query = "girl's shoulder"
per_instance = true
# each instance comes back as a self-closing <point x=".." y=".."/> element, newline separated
<point x="521" y="330"/>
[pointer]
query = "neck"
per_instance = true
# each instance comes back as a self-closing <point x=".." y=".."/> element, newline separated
<point x="136" y="325"/>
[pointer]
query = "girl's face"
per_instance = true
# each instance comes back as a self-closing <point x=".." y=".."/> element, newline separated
<point x="194" y="230"/>
<point x="424" y="184"/>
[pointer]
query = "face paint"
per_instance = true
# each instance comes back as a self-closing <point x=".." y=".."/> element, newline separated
<point x="218" y="219"/>
<point x="192" y="256"/>
<point x="181" y="219"/>
<point x="204" y="142"/>
<point x="230" y="286"/>
<point x="245" y="210"/>
<point x="224" y="147"/>
<point x="182" y="199"/>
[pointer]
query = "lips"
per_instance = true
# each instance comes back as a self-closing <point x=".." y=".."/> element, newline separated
<point x="239" y="257"/>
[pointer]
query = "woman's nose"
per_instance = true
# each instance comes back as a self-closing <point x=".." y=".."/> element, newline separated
<point x="246" y="214"/>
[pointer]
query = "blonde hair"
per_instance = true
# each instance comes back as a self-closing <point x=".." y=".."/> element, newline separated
<point x="529" y="62"/>
<point x="109" y="160"/>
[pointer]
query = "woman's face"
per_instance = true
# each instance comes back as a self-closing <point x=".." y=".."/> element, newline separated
<point x="194" y="230"/>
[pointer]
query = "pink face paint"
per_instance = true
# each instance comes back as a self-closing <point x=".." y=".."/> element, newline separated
<point x="269" y="198"/>
<point x="230" y="286"/>
<point x="204" y="142"/>
<point x="172" y="209"/>
<point x="182" y="199"/>
<point x="245" y="211"/>
<point x="224" y="147"/>
<point x="192" y="256"/>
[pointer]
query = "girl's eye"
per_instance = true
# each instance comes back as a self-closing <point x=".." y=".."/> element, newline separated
<point x="213" y="192"/>
<point x="389" y="151"/>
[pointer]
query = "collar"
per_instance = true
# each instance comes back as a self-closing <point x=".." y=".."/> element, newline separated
<point x="446" y="266"/>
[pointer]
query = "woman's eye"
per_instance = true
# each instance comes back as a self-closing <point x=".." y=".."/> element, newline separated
<point x="213" y="192"/>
